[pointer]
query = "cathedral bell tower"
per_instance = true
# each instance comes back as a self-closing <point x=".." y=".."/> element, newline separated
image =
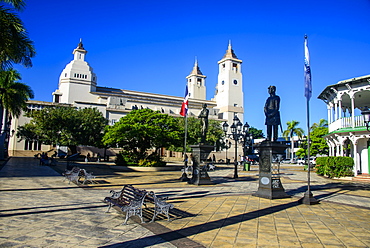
<point x="77" y="79"/>
<point x="229" y="90"/>
<point x="197" y="83"/>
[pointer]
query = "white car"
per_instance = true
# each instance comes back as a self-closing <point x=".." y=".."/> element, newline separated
<point x="300" y="161"/>
<point x="313" y="161"/>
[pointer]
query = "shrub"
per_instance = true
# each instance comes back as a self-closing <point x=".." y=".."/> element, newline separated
<point x="334" y="166"/>
<point x="150" y="163"/>
<point x="125" y="158"/>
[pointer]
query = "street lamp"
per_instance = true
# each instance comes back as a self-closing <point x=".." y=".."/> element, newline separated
<point x="227" y="146"/>
<point x="247" y="144"/>
<point x="366" y="114"/>
<point x="238" y="134"/>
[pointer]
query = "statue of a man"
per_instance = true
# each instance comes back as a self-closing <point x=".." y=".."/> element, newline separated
<point x="203" y="116"/>
<point x="272" y="114"/>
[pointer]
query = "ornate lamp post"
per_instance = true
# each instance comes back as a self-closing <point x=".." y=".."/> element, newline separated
<point x="366" y="114"/>
<point x="248" y="140"/>
<point x="227" y="146"/>
<point x="238" y="134"/>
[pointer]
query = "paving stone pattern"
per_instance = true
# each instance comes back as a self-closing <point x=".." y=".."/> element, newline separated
<point x="39" y="209"/>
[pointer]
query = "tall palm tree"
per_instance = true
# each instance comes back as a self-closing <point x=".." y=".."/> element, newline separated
<point x="13" y="94"/>
<point x="292" y="130"/>
<point x="322" y="123"/>
<point x="15" y="46"/>
<point x="13" y="99"/>
<point x="17" y="4"/>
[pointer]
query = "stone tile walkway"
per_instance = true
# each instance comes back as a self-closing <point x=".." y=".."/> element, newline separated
<point x="39" y="209"/>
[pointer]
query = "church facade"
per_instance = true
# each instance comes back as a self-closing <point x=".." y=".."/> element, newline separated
<point x="78" y="87"/>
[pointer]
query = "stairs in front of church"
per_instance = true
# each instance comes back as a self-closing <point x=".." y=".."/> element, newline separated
<point x="364" y="177"/>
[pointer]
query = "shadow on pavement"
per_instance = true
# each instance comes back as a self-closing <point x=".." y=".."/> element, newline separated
<point x="171" y="236"/>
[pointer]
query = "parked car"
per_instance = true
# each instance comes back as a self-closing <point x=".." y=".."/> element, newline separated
<point x="287" y="161"/>
<point x="303" y="161"/>
<point x="253" y="159"/>
<point x="313" y="160"/>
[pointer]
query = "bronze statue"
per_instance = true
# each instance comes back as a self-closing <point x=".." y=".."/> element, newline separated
<point x="272" y="114"/>
<point x="203" y="116"/>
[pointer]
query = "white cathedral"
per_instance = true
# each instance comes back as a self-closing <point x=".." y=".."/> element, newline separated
<point x="78" y="87"/>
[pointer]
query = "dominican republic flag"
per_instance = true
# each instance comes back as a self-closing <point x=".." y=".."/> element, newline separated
<point x="307" y="71"/>
<point x="184" y="106"/>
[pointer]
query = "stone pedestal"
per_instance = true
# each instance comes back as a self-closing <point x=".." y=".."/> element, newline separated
<point x="270" y="186"/>
<point x="200" y="154"/>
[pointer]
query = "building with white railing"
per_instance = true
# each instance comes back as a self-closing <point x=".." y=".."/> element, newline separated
<point x="348" y="135"/>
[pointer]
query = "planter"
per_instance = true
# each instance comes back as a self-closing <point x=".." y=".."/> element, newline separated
<point x="140" y="168"/>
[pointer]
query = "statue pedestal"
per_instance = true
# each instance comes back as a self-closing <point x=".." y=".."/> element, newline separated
<point x="270" y="186"/>
<point x="200" y="153"/>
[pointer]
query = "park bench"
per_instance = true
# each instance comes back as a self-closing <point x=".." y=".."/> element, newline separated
<point x="160" y="205"/>
<point x="88" y="177"/>
<point x="211" y="167"/>
<point x="130" y="201"/>
<point x="72" y="175"/>
<point x="75" y="174"/>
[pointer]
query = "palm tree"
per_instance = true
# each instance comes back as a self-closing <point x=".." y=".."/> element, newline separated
<point x="17" y="4"/>
<point x="322" y="123"/>
<point x="13" y="94"/>
<point x="13" y="99"/>
<point x="292" y="130"/>
<point x="15" y="46"/>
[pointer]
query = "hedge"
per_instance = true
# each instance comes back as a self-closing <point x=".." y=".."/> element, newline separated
<point x="334" y="166"/>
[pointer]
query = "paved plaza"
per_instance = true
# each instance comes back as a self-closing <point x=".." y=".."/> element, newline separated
<point x="39" y="209"/>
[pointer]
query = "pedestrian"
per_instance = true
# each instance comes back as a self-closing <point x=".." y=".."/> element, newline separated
<point x="186" y="159"/>
<point x="241" y="160"/>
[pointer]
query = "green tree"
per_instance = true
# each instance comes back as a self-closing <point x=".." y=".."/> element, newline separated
<point x="322" y="123"/>
<point x="13" y="94"/>
<point x="301" y="153"/>
<point x="13" y="99"/>
<point x="292" y="130"/>
<point x="142" y="130"/>
<point x="318" y="142"/>
<point x="17" y="4"/>
<point x="65" y="126"/>
<point x="256" y="133"/>
<point x="15" y="45"/>
<point x="214" y="135"/>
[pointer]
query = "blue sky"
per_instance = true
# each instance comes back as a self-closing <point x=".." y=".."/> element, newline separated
<point x="151" y="46"/>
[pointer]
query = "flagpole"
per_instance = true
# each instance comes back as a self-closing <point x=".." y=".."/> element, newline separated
<point x="308" y="198"/>
<point x="184" y="112"/>
<point x="186" y="133"/>
<point x="184" y="176"/>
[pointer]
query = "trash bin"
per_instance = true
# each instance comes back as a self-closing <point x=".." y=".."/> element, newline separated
<point x="247" y="166"/>
<point x="227" y="161"/>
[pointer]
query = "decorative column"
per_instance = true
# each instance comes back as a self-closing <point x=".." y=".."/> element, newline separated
<point x="357" y="166"/>
<point x="329" y="117"/>
<point x="338" y="150"/>
<point x="352" y="110"/>
<point x="355" y="157"/>
<point x="336" y="116"/>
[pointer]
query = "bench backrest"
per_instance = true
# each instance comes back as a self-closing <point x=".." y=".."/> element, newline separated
<point x="129" y="193"/>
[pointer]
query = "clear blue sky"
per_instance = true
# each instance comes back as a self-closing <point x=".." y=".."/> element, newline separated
<point x="150" y="46"/>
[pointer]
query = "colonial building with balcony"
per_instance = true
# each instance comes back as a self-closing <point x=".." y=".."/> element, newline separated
<point x="348" y="135"/>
